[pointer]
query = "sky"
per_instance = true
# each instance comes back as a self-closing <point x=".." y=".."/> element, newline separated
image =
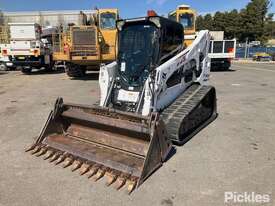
<point x="127" y="8"/>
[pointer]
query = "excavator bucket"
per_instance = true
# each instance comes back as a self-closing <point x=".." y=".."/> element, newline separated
<point x="100" y="142"/>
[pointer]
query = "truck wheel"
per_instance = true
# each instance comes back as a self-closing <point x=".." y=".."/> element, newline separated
<point x="26" y="70"/>
<point x="3" y="67"/>
<point x="49" y="68"/>
<point x="75" y="71"/>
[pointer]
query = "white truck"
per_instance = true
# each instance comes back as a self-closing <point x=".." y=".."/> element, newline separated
<point x="221" y="51"/>
<point x="28" y="48"/>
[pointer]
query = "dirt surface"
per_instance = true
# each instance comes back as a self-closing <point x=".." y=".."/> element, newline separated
<point x="235" y="153"/>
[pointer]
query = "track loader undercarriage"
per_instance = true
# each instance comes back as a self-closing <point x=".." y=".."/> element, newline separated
<point x="146" y="104"/>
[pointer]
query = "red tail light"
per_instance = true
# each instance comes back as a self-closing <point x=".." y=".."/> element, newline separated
<point x="230" y="50"/>
<point x="5" y="52"/>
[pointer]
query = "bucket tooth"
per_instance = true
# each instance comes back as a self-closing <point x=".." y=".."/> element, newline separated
<point x="111" y="178"/>
<point x="93" y="171"/>
<point x="48" y="154"/>
<point x="100" y="174"/>
<point x="121" y="181"/>
<point x="36" y="149"/>
<point x="60" y="159"/>
<point x="131" y="186"/>
<point x="84" y="169"/>
<point x="30" y="148"/>
<point x="54" y="157"/>
<point x="68" y="161"/>
<point x="42" y="152"/>
<point x="76" y="165"/>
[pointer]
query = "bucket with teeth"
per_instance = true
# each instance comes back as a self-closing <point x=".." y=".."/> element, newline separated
<point x="102" y="143"/>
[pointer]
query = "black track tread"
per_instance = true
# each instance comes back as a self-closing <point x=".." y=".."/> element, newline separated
<point x="174" y="115"/>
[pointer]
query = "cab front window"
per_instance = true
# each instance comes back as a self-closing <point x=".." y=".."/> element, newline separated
<point x="187" y="20"/>
<point x="108" y="20"/>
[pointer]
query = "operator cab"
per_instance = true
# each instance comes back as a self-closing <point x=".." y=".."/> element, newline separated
<point x="185" y="16"/>
<point x="107" y="19"/>
<point x="143" y="45"/>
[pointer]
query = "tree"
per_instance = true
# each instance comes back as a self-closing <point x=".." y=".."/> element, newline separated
<point x="204" y="22"/>
<point x="269" y="29"/>
<point x="1" y="18"/>
<point x="219" y="21"/>
<point x="252" y="22"/>
<point x="200" y="23"/>
<point x="232" y="24"/>
<point x="208" y="21"/>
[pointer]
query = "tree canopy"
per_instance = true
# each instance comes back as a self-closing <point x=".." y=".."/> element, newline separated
<point x="252" y="22"/>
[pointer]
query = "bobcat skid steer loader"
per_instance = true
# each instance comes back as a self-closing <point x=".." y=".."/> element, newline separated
<point x="154" y="95"/>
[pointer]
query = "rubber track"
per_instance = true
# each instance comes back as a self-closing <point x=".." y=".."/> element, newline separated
<point x="180" y="110"/>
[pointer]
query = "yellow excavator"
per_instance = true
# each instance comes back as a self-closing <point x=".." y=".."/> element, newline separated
<point x="85" y="47"/>
<point x="187" y="17"/>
